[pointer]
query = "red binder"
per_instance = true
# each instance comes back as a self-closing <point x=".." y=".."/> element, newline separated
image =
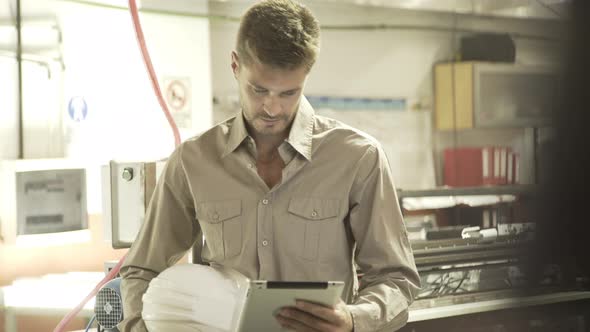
<point x="467" y="166"/>
<point x="463" y="167"/>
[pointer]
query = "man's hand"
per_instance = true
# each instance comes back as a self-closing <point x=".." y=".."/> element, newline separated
<point x="306" y="316"/>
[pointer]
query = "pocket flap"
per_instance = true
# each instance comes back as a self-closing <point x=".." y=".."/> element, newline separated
<point x="214" y="212"/>
<point x="314" y="208"/>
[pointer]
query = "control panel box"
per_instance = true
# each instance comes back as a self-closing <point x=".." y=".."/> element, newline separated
<point x="42" y="197"/>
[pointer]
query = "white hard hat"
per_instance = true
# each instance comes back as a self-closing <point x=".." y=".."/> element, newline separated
<point x="193" y="297"/>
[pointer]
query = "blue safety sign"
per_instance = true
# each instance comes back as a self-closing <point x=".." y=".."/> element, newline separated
<point x="77" y="108"/>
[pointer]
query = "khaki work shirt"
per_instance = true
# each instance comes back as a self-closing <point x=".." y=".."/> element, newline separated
<point x="336" y="201"/>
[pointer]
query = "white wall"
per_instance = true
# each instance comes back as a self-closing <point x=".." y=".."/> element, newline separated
<point x="103" y="65"/>
<point x="8" y="109"/>
<point x="394" y="63"/>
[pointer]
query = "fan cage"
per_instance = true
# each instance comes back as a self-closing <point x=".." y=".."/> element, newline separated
<point x="108" y="308"/>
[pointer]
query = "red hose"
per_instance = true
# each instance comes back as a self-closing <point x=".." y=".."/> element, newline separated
<point x="153" y="78"/>
<point x="148" y="63"/>
<point x="64" y="322"/>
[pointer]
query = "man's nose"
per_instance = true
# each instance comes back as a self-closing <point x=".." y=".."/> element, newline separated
<point x="272" y="106"/>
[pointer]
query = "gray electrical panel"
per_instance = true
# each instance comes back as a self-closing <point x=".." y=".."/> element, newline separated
<point x="42" y="196"/>
<point x="50" y="201"/>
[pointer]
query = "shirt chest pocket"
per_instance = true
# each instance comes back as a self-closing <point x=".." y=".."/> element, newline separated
<point x="222" y="227"/>
<point x="313" y="218"/>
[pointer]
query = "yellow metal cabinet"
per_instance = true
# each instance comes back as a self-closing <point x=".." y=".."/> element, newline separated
<point x="491" y="95"/>
<point x="453" y="86"/>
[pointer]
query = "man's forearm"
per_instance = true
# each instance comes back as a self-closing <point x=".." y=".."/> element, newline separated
<point x="382" y="306"/>
<point x="133" y="285"/>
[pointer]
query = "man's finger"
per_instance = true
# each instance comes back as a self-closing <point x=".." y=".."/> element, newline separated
<point x="320" y="311"/>
<point x="311" y="321"/>
<point x="294" y="325"/>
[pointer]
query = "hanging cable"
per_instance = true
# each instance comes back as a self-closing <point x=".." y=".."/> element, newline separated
<point x="150" y="68"/>
<point x="153" y="78"/>
<point x="63" y="323"/>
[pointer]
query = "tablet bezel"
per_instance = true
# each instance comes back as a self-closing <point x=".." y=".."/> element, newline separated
<point x="266" y="298"/>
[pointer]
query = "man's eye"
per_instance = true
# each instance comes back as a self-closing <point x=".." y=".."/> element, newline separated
<point x="260" y="91"/>
<point x="288" y="93"/>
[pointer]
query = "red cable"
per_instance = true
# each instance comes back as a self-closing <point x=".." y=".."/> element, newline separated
<point x="154" y="80"/>
<point x="148" y="63"/>
<point x="63" y="323"/>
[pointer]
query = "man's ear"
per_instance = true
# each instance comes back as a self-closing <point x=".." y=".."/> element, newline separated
<point x="235" y="64"/>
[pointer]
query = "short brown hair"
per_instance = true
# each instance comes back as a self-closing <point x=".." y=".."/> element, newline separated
<point x="279" y="33"/>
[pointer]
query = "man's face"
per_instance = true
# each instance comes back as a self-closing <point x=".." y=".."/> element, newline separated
<point x="269" y="97"/>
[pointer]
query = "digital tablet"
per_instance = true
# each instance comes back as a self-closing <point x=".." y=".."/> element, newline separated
<point x="266" y="298"/>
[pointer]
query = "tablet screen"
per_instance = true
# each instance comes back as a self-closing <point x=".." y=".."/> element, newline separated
<point x="266" y="298"/>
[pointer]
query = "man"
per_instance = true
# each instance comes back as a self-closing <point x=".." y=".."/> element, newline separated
<point x="279" y="193"/>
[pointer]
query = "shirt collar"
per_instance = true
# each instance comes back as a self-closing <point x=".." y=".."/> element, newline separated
<point x="300" y="136"/>
<point x="237" y="134"/>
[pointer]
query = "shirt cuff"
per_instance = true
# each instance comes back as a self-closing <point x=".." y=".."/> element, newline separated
<point x="363" y="317"/>
<point x="366" y="318"/>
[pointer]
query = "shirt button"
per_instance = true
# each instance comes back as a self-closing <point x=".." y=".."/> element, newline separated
<point x="215" y="216"/>
<point x="314" y="214"/>
<point x="265" y="243"/>
<point x="250" y="165"/>
<point x="265" y="201"/>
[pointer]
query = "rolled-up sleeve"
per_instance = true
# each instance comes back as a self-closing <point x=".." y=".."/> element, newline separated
<point x="168" y="232"/>
<point x="383" y="252"/>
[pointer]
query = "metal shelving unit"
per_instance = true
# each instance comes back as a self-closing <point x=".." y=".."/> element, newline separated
<point x="470" y="191"/>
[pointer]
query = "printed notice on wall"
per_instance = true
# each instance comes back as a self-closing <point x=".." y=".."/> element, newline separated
<point x="177" y="93"/>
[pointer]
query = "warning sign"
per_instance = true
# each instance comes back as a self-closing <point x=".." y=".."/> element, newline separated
<point x="177" y="92"/>
<point x="77" y="108"/>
